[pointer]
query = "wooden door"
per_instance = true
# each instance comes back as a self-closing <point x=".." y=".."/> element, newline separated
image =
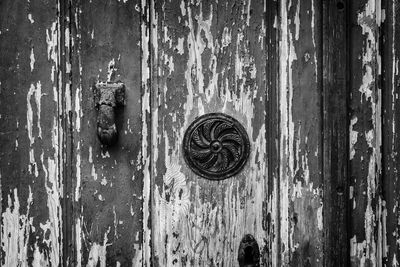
<point x="306" y="92"/>
<point x="207" y="57"/>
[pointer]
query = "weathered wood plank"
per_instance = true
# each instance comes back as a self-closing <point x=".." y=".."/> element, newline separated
<point x="109" y="180"/>
<point x="31" y="137"/>
<point x="209" y="56"/>
<point x="66" y="154"/>
<point x="390" y="138"/>
<point x="147" y="145"/>
<point x="335" y="133"/>
<point x="300" y="204"/>
<point x="365" y="134"/>
<point x="272" y="132"/>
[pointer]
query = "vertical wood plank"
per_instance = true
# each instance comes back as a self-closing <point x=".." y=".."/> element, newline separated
<point x="209" y="56"/>
<point x="31" y="135"/>
<point x="147" y="137"/>
<point x="335" y="130"/>
<point x="108" y="191"/>
<point x="301" y="207"/>
<point x="66" y="139"/>
<point x="272" y="131"/>
<point x="365" y="134"/>
<point x="390" y="132"/>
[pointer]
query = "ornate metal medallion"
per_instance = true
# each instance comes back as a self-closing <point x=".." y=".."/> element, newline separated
<point x="216" y="146"/>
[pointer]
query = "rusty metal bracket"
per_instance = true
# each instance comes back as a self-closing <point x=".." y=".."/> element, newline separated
<point x="108" y="96"/>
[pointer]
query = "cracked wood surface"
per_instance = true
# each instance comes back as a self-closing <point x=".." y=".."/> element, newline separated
<point x="314" y="83"/>
<point x="31" y="137"/>
<point x="208" y="56"/>
<point x="335" y="99"/>
<point x="365" y="105"/>
<point x="108" y="180"/>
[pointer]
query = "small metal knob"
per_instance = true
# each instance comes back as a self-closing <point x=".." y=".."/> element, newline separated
<point x="108" y="96"/>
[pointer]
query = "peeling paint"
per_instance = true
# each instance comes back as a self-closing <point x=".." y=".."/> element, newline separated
<point x="32" y="58"/>
<point x="353" y="137"/>
<point x="367" y="250"/>
<point x="15" y="231"/>
<point x="187" y="221"/>
<point x="33" y="233"/>
<point x="200" y="64"/>
<point x="30" y="18"/>
<point x="98" y="253"/>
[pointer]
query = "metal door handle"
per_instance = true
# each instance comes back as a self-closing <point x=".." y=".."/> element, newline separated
<point x="108" y="96"/>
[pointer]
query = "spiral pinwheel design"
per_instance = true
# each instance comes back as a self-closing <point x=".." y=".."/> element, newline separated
<point x="216" y="146"/>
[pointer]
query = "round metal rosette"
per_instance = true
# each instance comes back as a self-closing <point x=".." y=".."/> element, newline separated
<point x="216" y="146"/>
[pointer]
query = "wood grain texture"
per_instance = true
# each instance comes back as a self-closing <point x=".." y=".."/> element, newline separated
<point x="147" y="137"/>
<point x="314" y="83"/>
<point x="365" y="134"/>
<point x="335" y="132"/>
<point x="390" y="135"/>
<point x="209" y="56"/>
<point x="272" y="132"/>
<point x="31" y="135"/>
<point x="300" y="205"/>
<point x="108" y="180"/>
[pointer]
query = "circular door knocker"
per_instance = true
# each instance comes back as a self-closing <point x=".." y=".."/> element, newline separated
<point x="216" y="146"/>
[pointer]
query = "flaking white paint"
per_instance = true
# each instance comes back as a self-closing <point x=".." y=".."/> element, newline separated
<point x="284" y="142"/>
<point x="98" y="252"/>
<point x="15" y="230"/>
<point x="30" y="18"/>
<point x="370" y="249"/>
<point x="32" y="60"/>
<point x="145" y="255"/>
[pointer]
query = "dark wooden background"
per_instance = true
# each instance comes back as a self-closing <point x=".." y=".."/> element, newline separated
<point x="314" y="83"/>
